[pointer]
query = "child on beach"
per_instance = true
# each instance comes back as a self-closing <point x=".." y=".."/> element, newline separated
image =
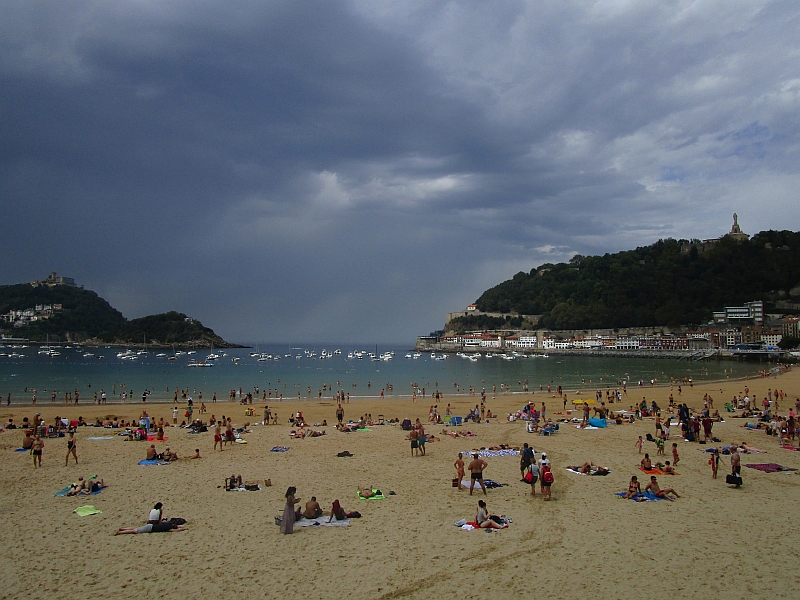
<point x="714" y="462"/>
<point x="639" y="444"/>
<point x="675" y="457"/>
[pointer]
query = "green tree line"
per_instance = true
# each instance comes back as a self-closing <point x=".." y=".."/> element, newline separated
<point x="653" y="285"/>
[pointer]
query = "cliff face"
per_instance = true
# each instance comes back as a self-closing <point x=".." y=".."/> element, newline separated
<point x="668" y="283"/>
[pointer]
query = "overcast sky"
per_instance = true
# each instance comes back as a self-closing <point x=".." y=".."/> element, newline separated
<point x="351" y="171"/>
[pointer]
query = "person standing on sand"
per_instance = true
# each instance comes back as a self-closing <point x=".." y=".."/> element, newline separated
<point x="287" y="523"/>
<point x="412" y="435"/>
<point x="218" y="436"/>
<point x="340" y="413"/>
<point x="476" y="468"/>
<point x="736" y="468"/>
<point x="459" y="465"/>
<point x="36" y="450"/>
<point x="639" y="444"/>
<point x="72" y="448"/>
<point x="526" y="458"/>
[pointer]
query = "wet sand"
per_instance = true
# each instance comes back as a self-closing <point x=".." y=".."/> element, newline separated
<point x="715" y="541"/>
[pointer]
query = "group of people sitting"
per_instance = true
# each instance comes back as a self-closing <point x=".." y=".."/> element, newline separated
<point x="84" y="487"/>
<point x="304" y="433"/>
<point x="635" y="490"/>
<point x="168" y="455"/>
<point x="156" y="523"/>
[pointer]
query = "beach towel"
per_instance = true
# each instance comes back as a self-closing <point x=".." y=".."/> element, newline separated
<point x="63" y="492"/>
<point x="489" y="483"/>
<point x="647" y="496"/>
<point x="87" y="510"/>
<point x="321" y="522"/>
<point x="155" y="461"/>
<point x="492" y="453"/>
<point x="585" y="428"/>
<point x="25" y="449"/>
<point x="280" y="449"/>
<point x="364" y="429"/>
<point x="377" y="496"/>
<point x="594" y="472"/>
<point x="245" y="488"/>
<point x="599" y="423"/>
<point x="770" y="467"/>
<point x="102" y="437"/>
<point x="784" y="447"/>
<point x="152" y="438"/>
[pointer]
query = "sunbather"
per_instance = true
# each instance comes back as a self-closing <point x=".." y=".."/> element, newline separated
<point x="634" y="488"/>
<point x="366" y="492"/>
<point x="164" y="528"/>
<point x="313" y="509"/>
<point x="658" y="492"/>
<point x="337" y="512"/>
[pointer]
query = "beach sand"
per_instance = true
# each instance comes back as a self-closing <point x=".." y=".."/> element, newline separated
<point x="714" y="542"/>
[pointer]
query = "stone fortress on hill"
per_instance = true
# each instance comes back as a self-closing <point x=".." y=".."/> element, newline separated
<point x="733" y="328"/>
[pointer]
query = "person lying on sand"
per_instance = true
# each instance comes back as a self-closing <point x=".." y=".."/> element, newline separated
<point x="314" y="433"/>
<point x="163" y="527"/>
<point x="589" y="468"/>
<point x="659" y="493"/>
<point x="366" y="492"/>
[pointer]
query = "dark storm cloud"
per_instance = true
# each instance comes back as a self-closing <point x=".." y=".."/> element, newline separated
<point x="353" y="170"/>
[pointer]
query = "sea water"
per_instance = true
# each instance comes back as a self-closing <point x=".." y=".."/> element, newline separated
<point x="293" y="370"/>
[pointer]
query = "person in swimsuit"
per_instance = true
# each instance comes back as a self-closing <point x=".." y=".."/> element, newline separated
<point x="36" y="450"/>
<point x="659" y="493"/>
<point x="476" y="468"/>
<point x="218" y="436"/>
<point x="337" y="512"/>
<point x="714" y="462"/>
<point x="634" y="488"/>
<point x="646" y="464"/>
<point x="459" y="465"/>
<point x="72" y="448"/>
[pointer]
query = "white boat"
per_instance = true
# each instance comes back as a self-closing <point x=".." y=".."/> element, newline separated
<point x="161" y="355"/>
<point x="195" y="363"/>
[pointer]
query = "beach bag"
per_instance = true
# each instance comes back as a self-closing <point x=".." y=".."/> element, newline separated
<point x="354" y="515"/>
<point x="455" y="482"/>
<point x="733" y="479"/>
<point x="547" y="475"/>
<point x="528" y="477"/>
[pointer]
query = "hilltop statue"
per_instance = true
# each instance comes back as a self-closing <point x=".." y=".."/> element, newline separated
<point x="736" y="231"/>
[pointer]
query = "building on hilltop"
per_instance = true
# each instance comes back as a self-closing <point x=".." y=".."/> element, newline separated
<point x="53" y="280"/>
<point x="735" y="233"/>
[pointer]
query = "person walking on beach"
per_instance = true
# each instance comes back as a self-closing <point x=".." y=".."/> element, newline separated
<point x="72" y="448"/>
<point x="287" y="523"/>
<point x="476" y="468"/>
<point x="736" y="467"/>
<point x="36" y="451"/>
<point x="526" y="458"/>
<point x="459" y="465"/>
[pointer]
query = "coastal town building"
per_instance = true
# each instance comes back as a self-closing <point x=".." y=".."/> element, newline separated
<point x="53" y="280"/>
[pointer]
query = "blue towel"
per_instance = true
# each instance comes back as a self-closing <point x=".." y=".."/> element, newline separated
<point x="21" y="450"/>
<point x="648" y="496"/>
<point x="280" y="449"/>
<point x="155" y="461"/>
<point x="598" y="423"/>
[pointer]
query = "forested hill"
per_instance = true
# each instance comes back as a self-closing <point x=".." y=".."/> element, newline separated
<point x="83" y="315"/>
<point x="653" y="285"/>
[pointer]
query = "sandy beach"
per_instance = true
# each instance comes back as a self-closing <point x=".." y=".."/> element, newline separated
<point x="715" y="541"/>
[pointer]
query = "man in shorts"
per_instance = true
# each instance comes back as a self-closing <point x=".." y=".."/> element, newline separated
<point x="36" y="451"/>
<point x="476" y="468"/>
<point x="412" y="435"/>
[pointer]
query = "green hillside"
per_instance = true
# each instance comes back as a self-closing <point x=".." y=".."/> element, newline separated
<point x="86" y="316"/>
<point x="653" y="285"/>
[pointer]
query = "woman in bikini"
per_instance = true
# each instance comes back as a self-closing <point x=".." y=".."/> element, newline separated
<point x="634" y="488"/>
<point x="72" y="448"/>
